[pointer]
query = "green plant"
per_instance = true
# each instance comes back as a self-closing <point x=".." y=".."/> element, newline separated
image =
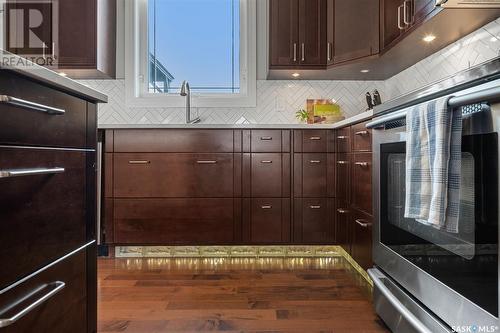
<point x="301" y="115"/>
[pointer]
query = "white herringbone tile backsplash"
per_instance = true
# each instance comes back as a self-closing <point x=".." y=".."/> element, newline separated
<point x="291" y="96"/>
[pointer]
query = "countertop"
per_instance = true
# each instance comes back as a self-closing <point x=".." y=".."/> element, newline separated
<point x="354" y="119"/>
<point x="25" y="67"/>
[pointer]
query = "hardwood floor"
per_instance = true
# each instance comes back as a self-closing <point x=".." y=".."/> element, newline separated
<point x="233" y="295"/>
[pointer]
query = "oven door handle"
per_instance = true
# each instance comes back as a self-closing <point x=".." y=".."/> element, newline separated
<point x="410" y="317"/>
<point x="379" y="123"/>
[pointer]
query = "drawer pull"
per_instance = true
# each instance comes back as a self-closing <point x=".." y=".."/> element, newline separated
<point x="342" y="211"/>
<point x="57" y="287"/>
<point x="266" y="138"/>
<point x="342" y="137"/>
<point x="4" y="99"/>
<point x="361" y="133"/>
<point x="266" y="206"/>
<point x="342" y="162"/>
<point x="314" y="161"/>
<point x="362" y="164"/>
<point x="30" y="172"/>
<point x="207" y="162"/>
<point x="315" y="138"/>
<point x="363" y="223"/>
<point x="315" y="206"/>
<point x="266" y="162"/>
<point x="139" y="162"/>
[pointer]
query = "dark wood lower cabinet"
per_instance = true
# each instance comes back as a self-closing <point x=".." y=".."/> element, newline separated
<point x="343" y="226"/>
<point x="189" y="221"/>
<point x="314" y="221"/>
<point x="361" y="245"/>
<point x="266" y="220"/>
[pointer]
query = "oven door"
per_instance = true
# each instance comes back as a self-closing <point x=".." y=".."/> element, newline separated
<point x="454" y="275"/>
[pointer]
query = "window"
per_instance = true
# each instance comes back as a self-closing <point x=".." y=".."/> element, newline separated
<point x="209" y="43"/>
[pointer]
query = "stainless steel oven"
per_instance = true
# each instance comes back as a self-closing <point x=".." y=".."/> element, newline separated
<point x="429" y="280"/>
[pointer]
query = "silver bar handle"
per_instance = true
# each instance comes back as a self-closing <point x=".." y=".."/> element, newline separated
<point x="266" y="138"/>
<point x="363" y="223"/>
<point x="206" y="162"/>
<point x="30" y="172"/>
<point x="328" y="51"/>
<point x="361" y="133"/>
<point x="294" y="52"/>
<point x="22" y="103"/>
<point x="58" y="286"/>
<point x="400" y="26"/>
<point x="362" y="164"/>
<point x="139" y="162"/>
<point x="315" y="138"/>
<point x="342" y="137"/>
<point x="303" y="52"/>
<point x="342" y="211"/>
<point x="315" y="161"/>
<point x="266" y="162"/>
<point x="315" y="207"/>
<point x="266" y="206"/>
<point x="405" y="12"/>
<point x="342" y="162"/>
<point x="376" y="277"/>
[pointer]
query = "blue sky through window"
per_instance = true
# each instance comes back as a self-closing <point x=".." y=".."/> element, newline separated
<point x="195" y="40"/>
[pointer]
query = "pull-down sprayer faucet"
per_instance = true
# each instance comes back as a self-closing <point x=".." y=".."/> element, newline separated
<point x="186" y="91"/>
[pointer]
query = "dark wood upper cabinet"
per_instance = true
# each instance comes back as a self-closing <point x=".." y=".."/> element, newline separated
<point x="330" y="30"/>
<point x="312" y="32"/>
<point x="284" y="32"/>
<point x="83" y="45"/>
<point x="297" y="33"/>
<point x="356" y="25"/>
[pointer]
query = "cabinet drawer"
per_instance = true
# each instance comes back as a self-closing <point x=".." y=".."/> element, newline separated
<point x="174" y="221"/>
<point x="269" y="176"/>
<point x="361" y="137"/>
<point x="314" y="141"/>
<point x="173" y="141"/>
<point x="362" y="182"/>
<point x="173" y="175"/>
<point x="58" y="119"/>
<point x="64" y="286"/>
<point x="343" y="138"/>
<point x="343" y="177"/>
<point x="269" y="220"/>
<point x="361" y="248"/>
<point x="263" y="141"/>
<point x="343" y="225"/>
<point x="314" y="220"/>
<point x="314" y="175"/>
<point x="42" y="216"/>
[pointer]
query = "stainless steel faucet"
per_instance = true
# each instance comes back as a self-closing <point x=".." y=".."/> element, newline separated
<point x="186" y="91"/>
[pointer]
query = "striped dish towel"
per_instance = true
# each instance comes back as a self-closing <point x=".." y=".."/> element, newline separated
<point x="433" y="164"/>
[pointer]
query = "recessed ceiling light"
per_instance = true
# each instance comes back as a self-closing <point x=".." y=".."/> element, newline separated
<point x="364" y="70"/>
<point x="429" y="38"/>
<point x="295" y="74"/>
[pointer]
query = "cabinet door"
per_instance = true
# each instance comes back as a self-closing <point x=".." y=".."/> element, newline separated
<point x="391" y="21"/>
<point x="266" y="177"/>
<point x="330" y="30"/>
<point x="269" y="220"/>
<point x="314" y="171"/>
<point x="420" y="9"/>
<point x="312" y="32"/>
<point x="315" y="221"/>
<point x="343" y="138"/>
<point x="361" y="137"/>
<point x="283" y="43"/>
<point x="343" y="177"/>
<point x="361" y="248"/>
<point x="362" y="182"/>
<point x="79" y="18"/>
<point x="356" y="29"/>
<point x="343" y="226"/>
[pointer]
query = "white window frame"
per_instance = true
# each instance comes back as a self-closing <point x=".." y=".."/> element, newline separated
<point x="136" y="63"/>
